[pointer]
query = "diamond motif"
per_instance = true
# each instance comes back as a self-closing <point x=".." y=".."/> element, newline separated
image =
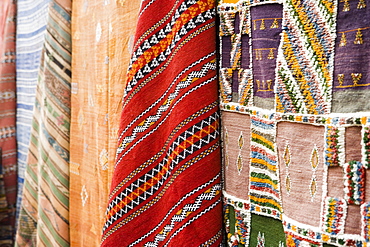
<point x="226" y="160"/>
<point x="314" y="158"/>
<point x="287" y="155"/>
<point x="239" y="163"/>
<point x="84" y="195"/>
<point x="288" y="183"/>
<point x="103" y="159"/>
<point x="241" y="140"/>
<point x="313" y="187"/>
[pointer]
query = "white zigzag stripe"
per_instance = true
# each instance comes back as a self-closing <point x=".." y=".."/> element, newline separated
<point x="154" y="171"/>
<point x="174" y="162"/>
<point x="206" y="152"/>
<point x="182" y="216"/>
<point x="192" y="220"/>
<point x="165" y="118"/>
<point x="168" y="29"/>
<point x="174" y="207"/>
<point x="166" y="92"/>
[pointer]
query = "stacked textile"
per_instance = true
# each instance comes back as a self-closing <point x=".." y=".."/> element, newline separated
<point x="8" y="158"/>
<point x="31" y="27"/>
<point x="44" y="214"/>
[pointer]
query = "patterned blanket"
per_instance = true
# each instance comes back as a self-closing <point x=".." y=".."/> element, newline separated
<point x="166" y="184"/>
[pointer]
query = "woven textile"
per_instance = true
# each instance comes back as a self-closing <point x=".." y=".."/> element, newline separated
<point x="8" y="159"/>
<point x="43" y="218"/>
<point x="166" y="183"/>
<point x="294" y="90"/>
<point x="31" y="26"/>
<point x="102" y="34"/>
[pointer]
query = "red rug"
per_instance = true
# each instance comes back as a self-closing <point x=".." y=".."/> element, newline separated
<point x="166" y="184"/>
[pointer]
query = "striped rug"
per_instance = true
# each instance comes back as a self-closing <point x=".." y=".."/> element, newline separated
<point x="31" y="26"/>
<point x="44" y="215"/>
<point x="8" y="158"/>
<point x="166" y="184"/>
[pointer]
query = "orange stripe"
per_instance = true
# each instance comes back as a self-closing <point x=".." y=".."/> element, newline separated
<point x="154" y="51"/>
<point x="185" y="144"/>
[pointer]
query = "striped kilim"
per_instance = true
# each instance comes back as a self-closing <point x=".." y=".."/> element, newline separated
<point x="31" y="27"/>
<point x="166" y="183"/>
<point x="306" y="57"/>
<point x="8" y="158"/>
<point x="43" y="218"/>
<point x="264" y="179"/>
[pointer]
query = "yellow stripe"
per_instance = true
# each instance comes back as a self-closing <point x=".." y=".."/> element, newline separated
<point x="316" y="46"/>
<point x="298" y="74"/>
<point x="265" y="181"/>
<point x="264" y="200"/>
<point x="265" y="163"/>
<point x="263" y="139"/>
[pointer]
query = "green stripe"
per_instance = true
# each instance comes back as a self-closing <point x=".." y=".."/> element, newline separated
<point x="55" y="114"/>
<point x="43" y="237"/>
<point x="55" y="171"/>
<point x="265" y="204"/>
<point x="50" y="227"/>
<point x="56" y="192"/>
<point x="32" y="174"/>
<point x="263" y="143"/>
<point x="61" y="178"/>
<point x="263" y="176"/>
<point x="31" y="190"/>
<point x="56" y="46"/>
<point x="60" y="31"/>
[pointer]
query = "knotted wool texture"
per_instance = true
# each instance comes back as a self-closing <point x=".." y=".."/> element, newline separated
<point x="166" y="184"/>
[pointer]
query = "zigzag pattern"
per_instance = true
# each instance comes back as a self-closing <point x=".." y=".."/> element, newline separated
<point x="306" y="57"/>
<point x="149" y="121"/>
<point x="164" y="148"/>
<point x="183" y="213"/>
<point x="166" y="92"/>
<point x="156" y="49"/>
<point x="192" y="220"/>
<point x="174" y="207"/>
<point x="193" y="139"/>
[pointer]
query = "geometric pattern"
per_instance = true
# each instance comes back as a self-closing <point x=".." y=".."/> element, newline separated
<point x="334" y="215"/>
<point x="169" y="132"/>
<point x="183" y="213"/>
<point x="264" y="185"/>
<point x="365" y="212"/>
<point x="138" y="191"/>
<point x="237" y="218"/>
<point x="306" y="57"/>
<point x="334" y="145"/>
<point x="320" y="58"/>
<point x="166" y="106"/>
<point x="354" y="182"/>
